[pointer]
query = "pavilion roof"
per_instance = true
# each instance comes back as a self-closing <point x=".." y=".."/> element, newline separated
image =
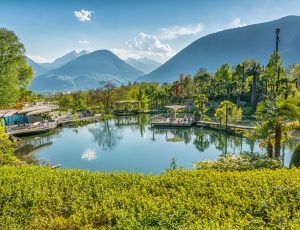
<point x="175" y="107"/>
<point x="7" y="112"/>
<point x="30" y="109"/>
<point x="39" y="111"/>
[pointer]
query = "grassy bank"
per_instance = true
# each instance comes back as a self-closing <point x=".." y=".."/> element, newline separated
<point x="41" y="198"/>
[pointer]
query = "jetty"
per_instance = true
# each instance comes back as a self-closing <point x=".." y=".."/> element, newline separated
<point x="173" y="120"/>
<point x="36" y="118"/>
<point x="212" y="124"/>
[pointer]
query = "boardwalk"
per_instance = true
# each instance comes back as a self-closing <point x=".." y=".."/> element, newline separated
<point x="39" y="127"/>
<point x="211" y="123"/>
<point x="30" y="128"/>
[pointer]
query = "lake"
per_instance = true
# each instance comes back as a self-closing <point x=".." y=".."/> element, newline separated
<point x="131" y="144"/>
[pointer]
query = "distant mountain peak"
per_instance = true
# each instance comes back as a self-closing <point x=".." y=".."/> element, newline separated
<point x="86" y="72"/>
<point x="232" y="46"/>
<point x="144" y="64"/>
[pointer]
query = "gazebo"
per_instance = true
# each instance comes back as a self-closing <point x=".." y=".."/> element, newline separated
<point x="175" y="108"/>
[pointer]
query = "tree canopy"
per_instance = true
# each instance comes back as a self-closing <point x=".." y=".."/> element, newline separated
<point x="15" y="74"/>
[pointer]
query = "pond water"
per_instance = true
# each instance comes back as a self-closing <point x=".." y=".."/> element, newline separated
<point x="131" y="144"/>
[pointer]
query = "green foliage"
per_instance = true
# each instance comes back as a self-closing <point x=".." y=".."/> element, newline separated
<point x="200" y="104"/>
<point x="277" y="117"/>
<point x="228" y="112"/>
<point x="242" y="162"/>
<point x="40" y="198"/>
<point x="295" y="159"/>
<point x="6" y="150"/>
<point x="15" y="74"/>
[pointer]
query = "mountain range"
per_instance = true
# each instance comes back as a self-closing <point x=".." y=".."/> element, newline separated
<point x="83" y="70"/>
<point x="232" y="46"/>
<point x="145" y="65"/>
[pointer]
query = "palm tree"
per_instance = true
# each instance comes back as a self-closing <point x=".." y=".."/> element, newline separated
<point x="278" y="118"/>
<point x="200" y="103"/>
<point x="254" y="70"/>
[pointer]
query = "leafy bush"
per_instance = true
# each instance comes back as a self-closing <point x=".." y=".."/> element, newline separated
<point x="241" y="162"/>
<point x="6" y="150"/>
<point x="40" y="198"/>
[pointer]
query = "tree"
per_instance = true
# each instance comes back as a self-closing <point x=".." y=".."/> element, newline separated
<point x="239" y="80"/>
<point x="272" y="74"/>
<point x="107" y="96"/>
<point x="254" y="71"/>
<point x="202" y="81"/>
<point x="224" y="112"/>
<point x="15" y="74"/>
<point x="277" y="118"/>
<point x="200" y="103"/>
<point x="223" y="76"/>
<point x="295" y="72"/>
<point x="236" y="114"/>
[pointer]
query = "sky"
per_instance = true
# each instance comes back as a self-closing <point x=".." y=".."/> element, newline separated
<point x="156" y="29"/>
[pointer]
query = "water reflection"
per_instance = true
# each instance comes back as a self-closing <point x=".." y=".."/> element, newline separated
<point x="131" y="144"/>
<point x="201" y="140"/>
<point x="106" y="135"/>
<point x="89" y="155"/>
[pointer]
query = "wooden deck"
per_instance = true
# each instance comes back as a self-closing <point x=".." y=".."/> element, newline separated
<point x="171" y="124"/>
<point x="66" y="121"/>
<point x="214" y="124"/>
<point x="31" y="129"/>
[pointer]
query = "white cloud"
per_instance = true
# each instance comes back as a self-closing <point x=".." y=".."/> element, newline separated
<point x="85" y="42"/>
<point x="148" y="43"/>
<point x="37" y="58"/>
<point x="176" y="31"/>
<point x="89" y="154"/>
<point x="237" y="22"/>
<point x="145" y="45"/>
<point x="83" y="15"/>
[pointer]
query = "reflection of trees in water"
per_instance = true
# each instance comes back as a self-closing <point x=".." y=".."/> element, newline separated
<point x="106" y="135"/>
<point x="201" y="140"/>
<point x="222" y="141"/>
<point x="35" y="143"/>
<point x="179" y="134"/>
<point x="139" y="122"/>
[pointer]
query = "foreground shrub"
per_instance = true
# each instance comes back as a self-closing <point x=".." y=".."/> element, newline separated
<point x="241" y="162"/>
<point x="6" y="150"/>
<point x="40" y="198"/>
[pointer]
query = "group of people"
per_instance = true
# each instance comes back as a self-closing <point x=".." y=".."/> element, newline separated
<point x="172" y="119"/>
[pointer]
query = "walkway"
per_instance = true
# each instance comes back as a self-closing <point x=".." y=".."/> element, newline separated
<point x="211" y="123"/>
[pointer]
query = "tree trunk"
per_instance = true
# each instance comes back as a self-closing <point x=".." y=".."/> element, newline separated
<point x="277" y="140"/>
<point x="226" y="118"/>
<point x="238" y="100"/>
<point x="270" y="147"/>
<point x="253" y="93"/>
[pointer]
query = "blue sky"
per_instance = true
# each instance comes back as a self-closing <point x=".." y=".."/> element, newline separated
<point x="156" y="29"/>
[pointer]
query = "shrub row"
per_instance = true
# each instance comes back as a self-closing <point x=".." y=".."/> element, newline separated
<point x="36" y="197"/>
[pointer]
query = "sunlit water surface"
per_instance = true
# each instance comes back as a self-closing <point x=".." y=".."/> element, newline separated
<point x="130" y="144"/>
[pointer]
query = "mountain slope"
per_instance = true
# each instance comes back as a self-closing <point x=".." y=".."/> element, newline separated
<point x="63" y="60"/>
<point x="87" y="72"/>
<point x="38" y="69"/>
<point x="232" y="46"/>
<point x="145" y="65"/>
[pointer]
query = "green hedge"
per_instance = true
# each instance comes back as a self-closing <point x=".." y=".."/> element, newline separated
<point x="36" y="197"/>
